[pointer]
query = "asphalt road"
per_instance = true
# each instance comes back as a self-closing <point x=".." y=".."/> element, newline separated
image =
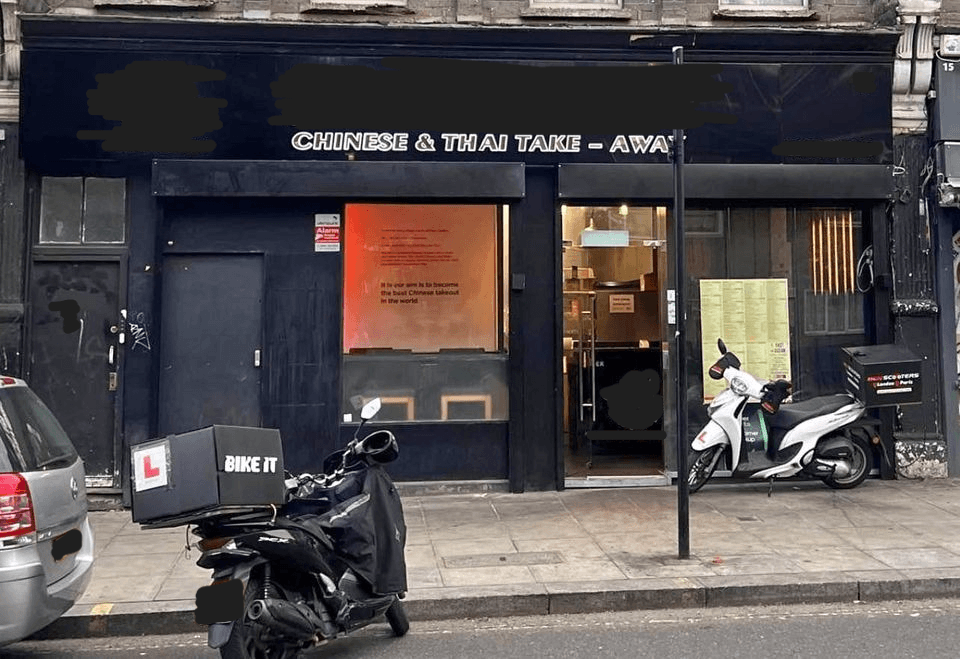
<point x="926" y="629"/>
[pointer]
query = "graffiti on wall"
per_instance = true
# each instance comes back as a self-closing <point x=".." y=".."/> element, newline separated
<point x="140" y="333"/>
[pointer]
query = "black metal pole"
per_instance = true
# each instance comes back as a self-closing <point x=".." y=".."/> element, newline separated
<point x="683" y="485"/>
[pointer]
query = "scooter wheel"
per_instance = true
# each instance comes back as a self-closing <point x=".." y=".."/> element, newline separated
<point x="702" y="465"/>
<point x="860" y="463"/>
<point x="397" y="617"/>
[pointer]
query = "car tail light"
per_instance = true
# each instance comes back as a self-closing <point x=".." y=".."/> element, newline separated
<point x="16" y="508"/>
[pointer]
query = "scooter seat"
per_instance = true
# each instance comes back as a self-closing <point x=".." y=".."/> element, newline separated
<point x="792" y="414"/>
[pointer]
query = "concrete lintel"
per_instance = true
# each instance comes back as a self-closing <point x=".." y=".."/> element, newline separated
<point x="767" y="14"/>
<point x="156" y="4"/>
<point x="611" y="13"/>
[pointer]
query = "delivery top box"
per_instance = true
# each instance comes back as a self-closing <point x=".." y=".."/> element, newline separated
<point x="205" y="469"/>
<point x="882" y="375"/>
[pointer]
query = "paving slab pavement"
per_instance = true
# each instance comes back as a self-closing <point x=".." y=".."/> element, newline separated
<point x="587" y="551"/>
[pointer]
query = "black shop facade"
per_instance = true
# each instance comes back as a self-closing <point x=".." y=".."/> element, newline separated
<point x="472" y="225"/>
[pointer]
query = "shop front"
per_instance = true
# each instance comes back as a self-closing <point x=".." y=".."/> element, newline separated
<point x="473" y="225"/>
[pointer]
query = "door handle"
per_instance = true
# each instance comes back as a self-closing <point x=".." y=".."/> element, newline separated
<point x="256" y="358"/>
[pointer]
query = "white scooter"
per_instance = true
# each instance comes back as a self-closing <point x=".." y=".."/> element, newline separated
<point x="825" y="437"/>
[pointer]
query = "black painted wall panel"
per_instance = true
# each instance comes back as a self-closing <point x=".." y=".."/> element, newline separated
<point x="267" y="226"/>
<point x="535" y="328"/>
<point x="302" y="353"/>
<point x="301" y="309"/>
<point x="450" y="451"/>
<point x="138" y="379"/>
<point x="306" y="432"/>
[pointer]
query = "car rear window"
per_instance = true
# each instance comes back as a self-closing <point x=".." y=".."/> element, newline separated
<point x="31" y="439"/>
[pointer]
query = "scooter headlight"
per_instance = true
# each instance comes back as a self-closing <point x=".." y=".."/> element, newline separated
<point x="738" y="386"/>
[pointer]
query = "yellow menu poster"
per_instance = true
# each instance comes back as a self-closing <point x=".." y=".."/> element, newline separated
<point x="753" y="319"/>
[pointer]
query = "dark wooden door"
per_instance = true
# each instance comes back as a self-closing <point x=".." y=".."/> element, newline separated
<point x="74" y="355"/>
<point x="210" y="342"/>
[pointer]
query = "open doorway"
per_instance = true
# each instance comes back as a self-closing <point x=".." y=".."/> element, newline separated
<point x="614" y="284"/>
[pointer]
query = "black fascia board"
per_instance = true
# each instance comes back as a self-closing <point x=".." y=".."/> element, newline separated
<point x="593" y="44"/>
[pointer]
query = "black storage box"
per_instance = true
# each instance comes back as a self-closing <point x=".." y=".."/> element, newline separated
<point x="206" y="469"/>
<point x="882" y="375"/>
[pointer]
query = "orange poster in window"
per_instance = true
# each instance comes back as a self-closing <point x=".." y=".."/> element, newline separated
<point x="420" y="277"/>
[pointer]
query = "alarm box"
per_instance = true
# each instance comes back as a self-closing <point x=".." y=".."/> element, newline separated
<point x="205" y="470"/>
<point x="882" y="375"/>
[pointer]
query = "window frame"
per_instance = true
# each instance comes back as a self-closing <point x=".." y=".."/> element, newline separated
<point x="82" y="242"/>
<point x="403" y="397"/>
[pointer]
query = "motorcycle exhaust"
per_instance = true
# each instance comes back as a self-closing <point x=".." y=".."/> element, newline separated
<point x="824" y="468"/>
<point x="282" y="617"/>
<point x="841" y="468"/>
<point x="831" y="459"/>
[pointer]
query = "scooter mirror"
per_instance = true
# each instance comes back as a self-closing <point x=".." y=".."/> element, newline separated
<point x="370" y="409"/>
<point x="722" y="346"/>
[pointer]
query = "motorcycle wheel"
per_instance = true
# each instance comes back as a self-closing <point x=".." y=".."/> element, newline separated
<point x="702" y="465"/>
<point x="859" y="467"/>
<point x="397" y="617"/>
<point x="245" y="641"/>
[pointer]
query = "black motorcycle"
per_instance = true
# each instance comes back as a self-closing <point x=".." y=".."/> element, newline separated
<point x="327" y="562"/>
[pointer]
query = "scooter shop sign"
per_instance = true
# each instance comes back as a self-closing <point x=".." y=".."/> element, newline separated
<point x="402" y="142"/>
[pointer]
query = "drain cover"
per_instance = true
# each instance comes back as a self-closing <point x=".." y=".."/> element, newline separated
<point x="494" y="560"/>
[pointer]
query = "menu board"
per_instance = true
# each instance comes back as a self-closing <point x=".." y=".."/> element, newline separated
<point x="753" y="319"/>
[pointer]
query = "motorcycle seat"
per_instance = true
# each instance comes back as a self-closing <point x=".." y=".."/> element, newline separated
<point x="792" y="414"/>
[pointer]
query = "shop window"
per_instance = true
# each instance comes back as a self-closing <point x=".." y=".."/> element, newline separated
<point x="82" y="211"/>
<point x="750" y="260"/>
<point x="703" y="223"/>
<point x="425" y="311"/>
<point x="832" y="304"/>
<point x="833" y="313"/>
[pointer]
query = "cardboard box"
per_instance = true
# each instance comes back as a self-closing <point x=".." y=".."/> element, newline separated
<point x="882" y="375"/>
<point x="206" y="469"/>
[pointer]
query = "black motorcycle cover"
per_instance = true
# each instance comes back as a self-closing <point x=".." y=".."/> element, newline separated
<point x="369" y="532"/>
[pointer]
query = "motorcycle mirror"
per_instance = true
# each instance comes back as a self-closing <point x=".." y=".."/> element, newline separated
<point x="370" y="409"/>
<point x="722" y="346"/>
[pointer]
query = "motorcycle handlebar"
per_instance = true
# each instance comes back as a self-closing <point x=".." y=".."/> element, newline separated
<point x="774" y="393"/>
<point x="378" y="447"/>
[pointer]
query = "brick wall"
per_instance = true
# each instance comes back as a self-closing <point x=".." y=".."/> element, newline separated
<point x="950" y="14"/>
<point x="641" y="13"/>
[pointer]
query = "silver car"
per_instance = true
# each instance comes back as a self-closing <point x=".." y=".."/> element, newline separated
<point x="46" y="545"/>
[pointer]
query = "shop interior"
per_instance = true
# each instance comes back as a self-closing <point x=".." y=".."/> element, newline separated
<point x="614" y="274"/>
